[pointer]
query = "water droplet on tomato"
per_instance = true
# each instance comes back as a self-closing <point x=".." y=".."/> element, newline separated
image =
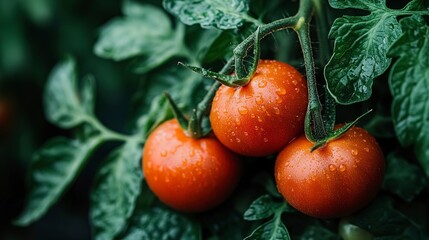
<point x="366" y="149"/>
<point x="233" y="134"/>
<point x="259" y="119"/>
<point x="238" y="140"/>
<point x="279" y="100"/>
<point x="332" y="167"/>
<point x="281" y="91"/>
<point x="342" y="168"/>
<point x="259" y="100"/>
<point x="184" y="175"/>
<point x="262" y="84"/>
<point x="164" y="153"/>
<point x="237" y="121"/>
<point x="192" y="153"/>
<point x="265" y="139"/>
<point x="246" y="134"/>
<point x="243" y="110"/>
<point x="313" y="178"/>
<point x="295" y="82"/>
<point x="276" y="110"/>
<point x="252" y="115"/>
<point x="297" y="90"/>
<point x="355" y="152"/>
<point x="256" y="128"/>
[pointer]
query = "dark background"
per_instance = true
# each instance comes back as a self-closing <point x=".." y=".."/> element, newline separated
<point x="34" y="36"/>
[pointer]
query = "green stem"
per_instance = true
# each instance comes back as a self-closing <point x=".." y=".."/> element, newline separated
<point x="107" y="133"/>
<point x="314" y="125"/>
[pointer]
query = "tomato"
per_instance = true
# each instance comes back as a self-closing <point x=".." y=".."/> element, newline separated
<point x="189" y="175"/>
<point x="260" y="118"/>
<point x="334" y="180"/>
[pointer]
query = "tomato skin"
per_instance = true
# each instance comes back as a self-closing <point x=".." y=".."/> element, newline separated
<point x="189" y="175"/>
<point x="260" y="118"/>
<point x="334" y="180"/>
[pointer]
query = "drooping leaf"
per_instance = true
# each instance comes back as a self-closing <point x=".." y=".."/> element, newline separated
<point x="409" y="81"/>
<point x="53" y="169"/>
<point x="403" y="178"/>
<point x="226" y="14"/>
<point x="115" y="191"/>
<point x="271" y="230"/>
<point x="361" y="44"/>
<point x="64" y="106"/>
<point x="144" y="32"/>
<point x="161" y="223"/>
<point x="261" y="208"/>
<point x="382" y="219"/>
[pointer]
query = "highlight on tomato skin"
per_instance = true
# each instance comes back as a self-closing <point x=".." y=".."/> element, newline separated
<point x="260" y="118"/>
<point x="333" y="181"/>
<point x="189" y="175"/>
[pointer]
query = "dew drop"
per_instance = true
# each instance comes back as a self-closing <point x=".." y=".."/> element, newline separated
<point x="366" y="149"/>
<point x="295" y="82"/>
<point x="313" y="178"/>
<point x="237" y="121"/>
<point x="262" y="84"/>
<point x="246" y="134"/>
<point x="233" y="134"/>
<point x="259" y="100"/>
<point x="265" y="139"/>
<point x="279" y="100"/>
<point x="355" y="152"/>
<point x="342" y="168"/>
<point x="192" y="153"/>
<point x="163" y="153"/>
<point x="354" y="166"/>
<point x="256" y="128"/>
<point x="332" y="167"/>
<point x="238" y="140"/>
<point x="259" y="119"/>
<point x="252" y="115"/>
<point x="243" y="110"/>
<point x="231" y="140"/>
<point x="183" y="175"/>
<point x="297" y="90"/>
<point x="216" y="99"/>
<point x="276" y="110"/>
<point x="281" y="91"/>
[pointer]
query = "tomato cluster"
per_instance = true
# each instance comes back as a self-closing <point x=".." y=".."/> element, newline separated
<point x="264" y="117"/>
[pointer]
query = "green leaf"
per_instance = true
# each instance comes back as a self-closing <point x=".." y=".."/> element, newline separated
<point x="225" y="14"/>
<point x="63" y="104"/>
<point x="116" y="188"/>
<point x="370" y="5"/>
<point x="224" y="224"/>
<point x="409" y="85"/>
<point x="415" y="5"/>
<point x="53" y="169"/>
<point x="403" y="178"/>
<point x="361" y="44"/>
<point x="381" y="219"/>
<point x="261" y="208"/>
<point x="160" y="223"/>
<point x="145" y="32"/>
<point x="271" y="230"/>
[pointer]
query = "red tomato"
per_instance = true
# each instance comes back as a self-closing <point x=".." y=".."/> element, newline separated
<point x="190" y="175"/>
<point x="334" y="180"/>
<point x="262" y="117"/>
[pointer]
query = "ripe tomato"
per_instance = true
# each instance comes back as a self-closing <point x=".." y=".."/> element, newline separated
<point x="190" y="175"/>
<point x="262" y="117"/>
<point x="334" y="180"/>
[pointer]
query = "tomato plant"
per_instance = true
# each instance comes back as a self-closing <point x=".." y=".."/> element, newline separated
<point x="260" y="118"/>
<point x="79" y="126"/>
<point x="334" y="180"/>
<point x="190" y="175"/>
